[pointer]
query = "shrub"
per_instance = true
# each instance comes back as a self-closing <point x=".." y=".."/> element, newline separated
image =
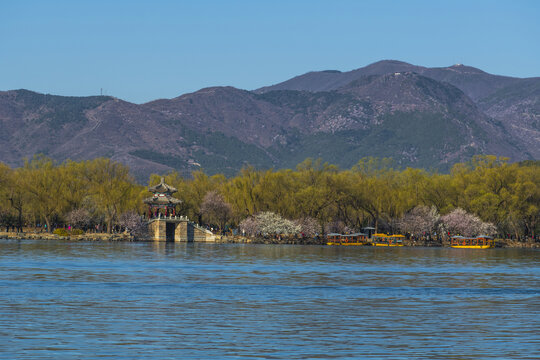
<point x="77" y="232"/>
<point x="60" y="232"/>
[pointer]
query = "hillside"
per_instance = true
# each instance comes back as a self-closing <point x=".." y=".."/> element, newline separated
<point x="419" y="116"/>
<point x="512" y="101"/>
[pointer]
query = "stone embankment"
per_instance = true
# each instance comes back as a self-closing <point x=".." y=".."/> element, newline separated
<point x="499" y="243"/>
<point x="269" y="240"/>
<point x="84" y="237"/>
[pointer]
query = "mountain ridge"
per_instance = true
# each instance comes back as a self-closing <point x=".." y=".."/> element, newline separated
<point x="408" y="115"/>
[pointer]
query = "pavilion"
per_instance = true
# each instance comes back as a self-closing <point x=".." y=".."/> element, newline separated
<point x="163" y="222"/>
<point x="162" y="203"/>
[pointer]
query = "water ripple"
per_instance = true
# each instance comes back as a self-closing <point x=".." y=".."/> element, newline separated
<point x="143" y="300"/>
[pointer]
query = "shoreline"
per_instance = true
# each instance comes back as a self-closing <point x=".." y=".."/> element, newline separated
<point x="499" y="243"/>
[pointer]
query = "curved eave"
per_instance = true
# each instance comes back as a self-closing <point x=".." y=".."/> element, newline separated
<point x="162" y="188"/>
<point x="161" y="201"/>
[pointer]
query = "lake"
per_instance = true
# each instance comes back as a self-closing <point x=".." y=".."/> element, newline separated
<point x="69" y="300"/>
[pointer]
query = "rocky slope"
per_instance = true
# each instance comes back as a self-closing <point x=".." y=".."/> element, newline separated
<point x="512" y="101"/>
<point x="428" y="117"/>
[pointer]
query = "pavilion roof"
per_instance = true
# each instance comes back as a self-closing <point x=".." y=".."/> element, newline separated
<point x="162" y="199"/>
<point x="162" y="188"/>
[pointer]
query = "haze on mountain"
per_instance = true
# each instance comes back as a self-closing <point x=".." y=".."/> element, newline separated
<point x="419" y="116"/>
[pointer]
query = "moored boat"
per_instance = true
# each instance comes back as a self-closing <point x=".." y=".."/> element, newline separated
<point x="387" y="240"/>
<point x="479" y="242"/>
<point x="356" y="239"/>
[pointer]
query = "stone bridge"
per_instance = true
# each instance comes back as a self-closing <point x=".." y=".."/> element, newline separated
<point x="178" y="229"/>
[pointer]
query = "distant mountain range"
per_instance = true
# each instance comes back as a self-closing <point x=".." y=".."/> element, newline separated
<point x="421" y="117"/>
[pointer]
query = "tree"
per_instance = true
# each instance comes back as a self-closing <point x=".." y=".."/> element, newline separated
<point x="134" y="224"/>
<point x="12" y="197"/>
<point x="460" y="222"/>
<point x="308" y="227"/>
<point x="215" y="209"/>
<point x="199" y="187"/>
<point x="43" y="181"/>
<point x="315" y="194"/>
<point x="242" y="193"/>
<point x="112" y="188"/>
<point x="269" y="223"/>
<point x="419" y="220"/>
<point x="80" y="218"/>
<point x="249" y="226"/>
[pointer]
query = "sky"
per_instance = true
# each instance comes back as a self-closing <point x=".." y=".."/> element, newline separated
<point x="145" y="50"/>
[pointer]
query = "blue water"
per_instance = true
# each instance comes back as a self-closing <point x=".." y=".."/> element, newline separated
<point x="78" y="300"/>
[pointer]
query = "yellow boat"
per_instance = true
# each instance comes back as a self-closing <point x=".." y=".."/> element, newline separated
<point x="357" y="239"/>
<point x="387" y="240"/>
<point x="480" y="242"/>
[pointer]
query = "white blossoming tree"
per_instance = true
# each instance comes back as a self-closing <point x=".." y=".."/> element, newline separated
<point x="460" y="222"/>
<point x="269" y="223"/>
<point x="134" y="224"/>
<point x="79" y="218"/>
<point x="309" y="226"/>
<point x="419" y="220"/>
<point x="215" y="209"/>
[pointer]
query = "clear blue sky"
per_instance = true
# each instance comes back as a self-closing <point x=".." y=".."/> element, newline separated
<point x="144" y="50"/>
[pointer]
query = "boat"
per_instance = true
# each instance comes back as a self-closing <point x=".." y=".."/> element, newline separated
<point x="387" y="240"/>
<point x="356" y="239"/>
<point x="479" y="242"/>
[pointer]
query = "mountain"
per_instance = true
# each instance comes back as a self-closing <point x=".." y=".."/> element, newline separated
<point x="514" y="102"/>
<point x="333" y="79"/>
<point x="140" y="136"/>
<point x="473" y="82"/>
<point x="412" y="118"/>
<point x="423" y="117"/>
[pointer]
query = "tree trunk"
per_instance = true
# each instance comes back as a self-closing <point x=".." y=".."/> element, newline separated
<point x="47" y="222"/>
<point x="20" y="225"/>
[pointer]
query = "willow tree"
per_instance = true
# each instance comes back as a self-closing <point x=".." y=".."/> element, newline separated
<point x="315" y="194"/>
<point x="275" y="192"/>
<point x="11" y="197"/>
<point x="112" y="188"/>
<point x="241" y="192"/>
<point x="43" y="181"/>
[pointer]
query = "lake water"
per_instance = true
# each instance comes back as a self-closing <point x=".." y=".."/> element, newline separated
<point x="69" y="300"/>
